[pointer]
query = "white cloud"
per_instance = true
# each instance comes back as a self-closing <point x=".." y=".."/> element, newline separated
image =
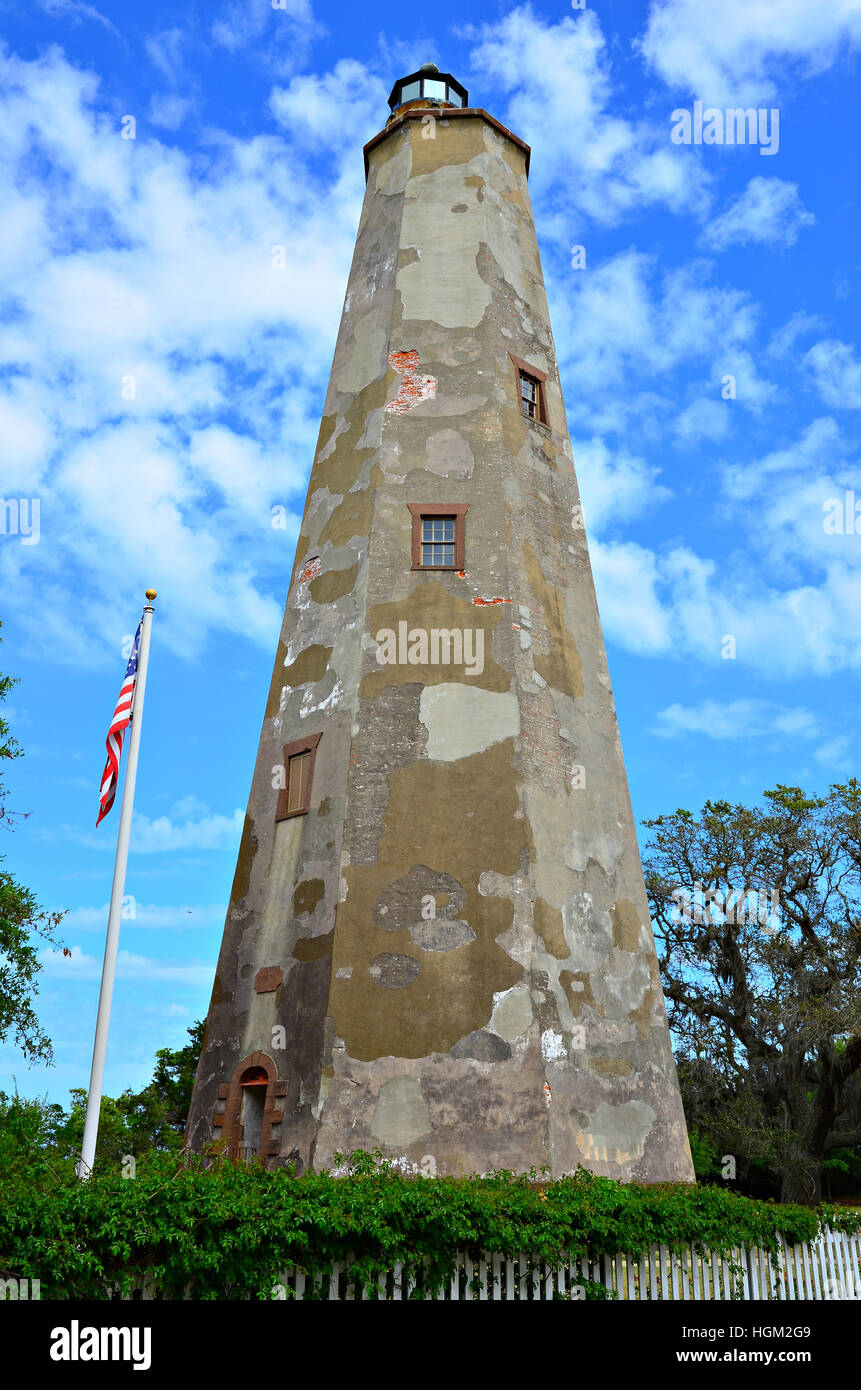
<point x="79" y="966"/>
<point x="783" y="340"/>
<point x="190" y="825"/>
<point x="155" y="338"/>
<point x="625" y="328"/>
<point x="313" y="107"/>
<point x="819" y="447"/>
<point x="614" y="485"/>
<point x="211" y="831"/>
<point x="152" y="917"/>
<point x="834" y="755"/>
<point x="836" y="373"/>
<point x="677" y="603"/>
<point x="166" y="51"/>
<point x="739" y="51"/>
<point x="736" y="719"/>
<point x="168" y="110"/>
<point x="769" y="210"/>
<point x="626" y="580"/>
<point x="76" y="10"/>
<point x="703" y="419"/>
<point x="279" y="32"/>
<point x="561" y="99"/>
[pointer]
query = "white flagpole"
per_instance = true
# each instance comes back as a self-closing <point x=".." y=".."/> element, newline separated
<point x="94" y="1098"/>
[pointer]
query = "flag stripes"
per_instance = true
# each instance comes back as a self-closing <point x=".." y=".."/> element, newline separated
<point x="119" y="723"/>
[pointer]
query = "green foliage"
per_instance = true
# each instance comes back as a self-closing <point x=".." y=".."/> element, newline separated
<point x="228" y="1231"/>
<point x="29" y="1129"/>
<point x="155" y="1117"/>
<point x="35" y="1133"/>
<point x="757" y="921"/>
<point x="20" y="918"/>
<point x="704" y="1154"/>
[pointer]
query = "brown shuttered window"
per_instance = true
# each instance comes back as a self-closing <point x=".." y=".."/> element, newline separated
<point x="294" y="799"/>
<point x="298" y="782"/>
<point x="531" y="390"/>
<point x="439" y="535"/>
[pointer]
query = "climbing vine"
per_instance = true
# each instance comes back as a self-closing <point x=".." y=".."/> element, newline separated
<point x="229" y="1231"/>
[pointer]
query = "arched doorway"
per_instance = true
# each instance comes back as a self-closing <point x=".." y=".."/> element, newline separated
<point x="249" y="1110"/>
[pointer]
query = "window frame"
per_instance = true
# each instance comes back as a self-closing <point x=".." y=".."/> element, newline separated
<point x="420" y="510"/>
<point x="456" y="94"/>
<point x="523" y="368"/>
<point x="292" y="750"/>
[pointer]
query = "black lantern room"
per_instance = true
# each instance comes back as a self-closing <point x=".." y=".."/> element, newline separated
<point x="430" y="86"/>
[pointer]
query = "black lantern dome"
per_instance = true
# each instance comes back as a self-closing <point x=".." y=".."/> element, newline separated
<point x="430" y="87"/>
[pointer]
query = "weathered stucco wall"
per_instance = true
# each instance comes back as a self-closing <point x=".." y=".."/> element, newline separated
<point x="468" y="976"/>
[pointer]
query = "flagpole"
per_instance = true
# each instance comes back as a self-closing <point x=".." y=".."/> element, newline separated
<point x="94" y="1098"/>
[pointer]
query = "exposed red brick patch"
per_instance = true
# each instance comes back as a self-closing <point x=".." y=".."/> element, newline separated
<point x="267" y="979"/>
<point x="414" y="387"/>
<point x="486" y="602"/>
<point x="311" y="570"/>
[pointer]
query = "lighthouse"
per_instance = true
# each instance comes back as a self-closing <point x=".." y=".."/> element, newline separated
<point x="438" y="940"/>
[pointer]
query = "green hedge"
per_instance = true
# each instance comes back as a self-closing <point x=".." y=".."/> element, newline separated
<point x="229" y="1231"/>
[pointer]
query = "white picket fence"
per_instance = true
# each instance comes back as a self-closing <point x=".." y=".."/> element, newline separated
<point x="827" y="1268"/>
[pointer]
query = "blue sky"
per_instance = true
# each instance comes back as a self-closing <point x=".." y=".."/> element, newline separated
<point x="151" y="258"/>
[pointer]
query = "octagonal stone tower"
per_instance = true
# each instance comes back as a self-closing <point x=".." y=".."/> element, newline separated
<point x="438" y="941"/>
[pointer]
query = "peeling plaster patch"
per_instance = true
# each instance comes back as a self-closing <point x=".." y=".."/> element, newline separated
<point x="617" y="1133"/>
<point x="307" y="668"/>
<point x="343" y="972"/>
<point x="482" y="1046"/>
<point x="629" y="989"/>
<point x="553" y="1047"/>
<point x="399" y="907"/>
<point x="328" y="702"/>
<point x="393" y="174"/>
<point x="511" y="488"/>
<point x="311" y="948"/>
<point x="309" y="572"/>
<point x="446" y="406"/>
<point x="400" y="1114"/>
<point x="462" y="720"/>
<point x="334" y="584"/>
<point x="307" y="895"/>
<point x="449" y="455"/>
<point x="562" y="667"/>
<point x="579" y="991"/>
<point x="548" y="925"/>
<point x="367" y="358"/>
<point x="373" y="430"/>
<point x="512" y="1016"/>
<point x="442" y="935"/>
<point x="445" y="286"/>
<point x="626" y="925"/>
<point x="603" y="849"/>
<point x="393" y="971"/>
<point x="588" y="931"/>
<point x="335" y="425"/>
<point x="610" y="1066"/>
<point x="414" y="388"/>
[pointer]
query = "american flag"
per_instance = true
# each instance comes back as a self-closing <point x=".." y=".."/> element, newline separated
<point x="119" y="724"/>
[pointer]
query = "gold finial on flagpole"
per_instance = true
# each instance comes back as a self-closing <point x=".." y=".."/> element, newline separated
<point x="151" y="594"/>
